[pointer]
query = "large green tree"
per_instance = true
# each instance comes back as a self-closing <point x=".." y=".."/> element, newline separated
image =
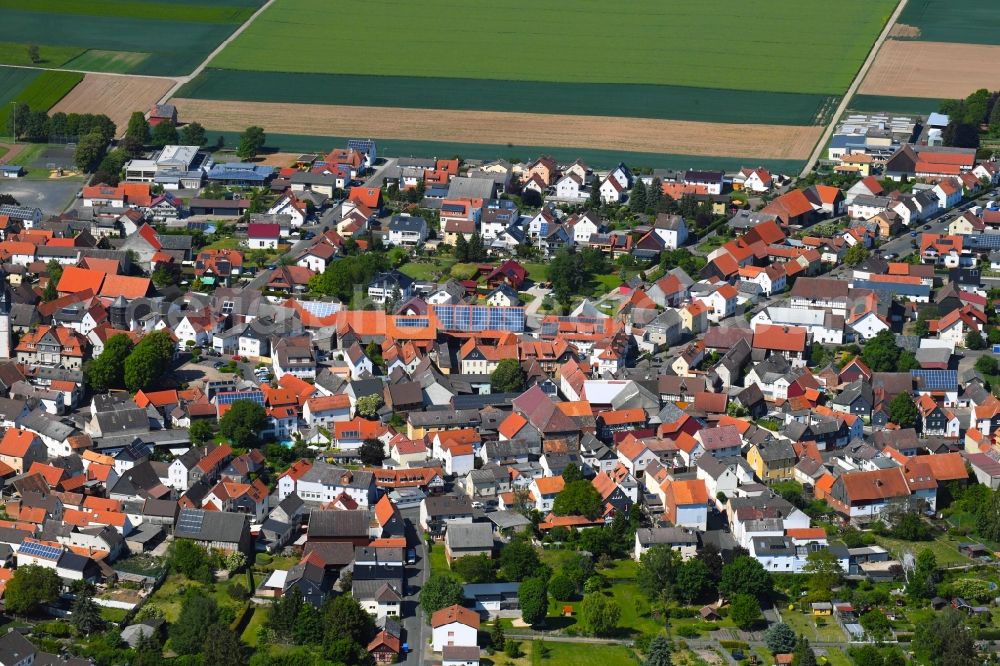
<point x="508" y="377"/>
<point x="922" y="581"/>
<point x="567" y="274"/>
<point x="89" y="151"/>
<point x="30" y="588"/>
<point x="85" y="615"/>
<point x="251" y="142"/>
<point x="222" y="647"/>
<point x="193" y="134"/>
<point x="824" y="573"/>
<point x="903" y="411"/>
<point x="149" y="361"/>
<point x="519" y="560"/>
<point x="440" y="591"/>
<point x="943" y="639"/>
<point x="744" y="611"/>
<point x="882" y="354"/>
<point x="53" y="273"/>
<point x="600" y="614"/>
<point x="780" y="638"/>
<point x="241" y="423"/>
<point x="803" y="654"/>
<point x="199" y="612"/>
<point x="658" y="569"/>
<point x="745" y="575"/>
<point x="579" y="498"/>
<point x="107" y="370"/>
<point x="658" y="653"/>
<point x="694" y="581"/>
<point x="876" y="625"/>
<point x="164" y="134"/>
<point x="344" y="616"/>
<point x="534" y="600"/>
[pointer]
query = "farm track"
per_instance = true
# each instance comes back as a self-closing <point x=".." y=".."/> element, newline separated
<point x="855" y="84"/>
<point x="598" y="132"/>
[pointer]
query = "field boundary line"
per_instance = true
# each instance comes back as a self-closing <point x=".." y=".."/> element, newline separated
<point x="180" y="81"/>
<point x="852" y="89"/>
<point x="88" y="71"/>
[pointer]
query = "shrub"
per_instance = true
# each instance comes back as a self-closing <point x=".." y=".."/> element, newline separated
<point x="688" y="631"/>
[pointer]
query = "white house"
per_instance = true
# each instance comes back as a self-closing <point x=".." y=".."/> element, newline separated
<point x="612" y="191"/>
<point x="290" y="205"/>
<point x="584" y="226"/>
<point x="570" y="187"/>
<point x="454" y="626"/>
<point x="672" y="229"/>
<point x="407" y="230"/>
<point x="328" y="409"/>
<point x="263" y="236"/>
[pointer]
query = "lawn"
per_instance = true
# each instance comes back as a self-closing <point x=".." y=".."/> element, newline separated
<point x="428" y="270"/>
<point x="582" y="654"/>
<point x="827" y="630"/>
<point x="439" y="563"/>
<point x="256" y="622"/>
<point x="836" y="657"/>
<point x="706" y="43"/>
<point x="944" y="548"/>
<point x="169" y="596"/>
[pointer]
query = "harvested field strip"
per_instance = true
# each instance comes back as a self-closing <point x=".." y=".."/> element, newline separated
<point x="96" y="60"/>
<point x="181" y="45"/>
<point x="876" y="103"/>
<point x="930" y="69"/>
<point x="773" y="45"/>
<point x="967" y="21"/>
<point x="600" y="132"/>
<point x="116" y="96"/>
<point x="600" y="159"/>
<point x="586" y="99"/>
<point x="203" y="13"/>
<point x="16" y="53"/>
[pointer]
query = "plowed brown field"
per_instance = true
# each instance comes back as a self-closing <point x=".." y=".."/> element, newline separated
<point x="115" y="96"/>
<point x="932" y="69"/>
<point x="523" y="129"/>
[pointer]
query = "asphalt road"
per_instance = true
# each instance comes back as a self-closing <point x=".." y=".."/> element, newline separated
<point x="415" y="629"/>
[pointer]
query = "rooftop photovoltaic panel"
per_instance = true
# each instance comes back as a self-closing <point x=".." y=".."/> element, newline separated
<point x="320" y="308"/>
<point x="936" y="380"/>
<point x="227" y="398"/>
<point x="35" y="549"/>
<point x="412" y="322"/>
<point x="480" y="318"/>
<point x="983" y="241"/>
<point x="190" y="520"/>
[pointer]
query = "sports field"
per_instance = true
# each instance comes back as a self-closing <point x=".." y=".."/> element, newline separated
<point x="158" y="37"/>
<point x="768" y="45"/>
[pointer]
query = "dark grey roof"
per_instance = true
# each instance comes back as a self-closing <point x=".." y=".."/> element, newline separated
<point x="472" y="535"/>
<point x="666" y="535"/>
<point x="332" y="524"/>
<point x="221" y="526"/>
<point x="447" y="505"/>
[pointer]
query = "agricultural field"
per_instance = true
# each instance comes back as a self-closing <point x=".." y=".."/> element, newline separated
<point x="40" y="90"/>
<point x="967" y="21"/>
<point x="780" y="142"/>
<point x="115" y="96"/>
<point x="707" y="44"/>
<point x="161" y="37"/>
<point x="930" y="37"/>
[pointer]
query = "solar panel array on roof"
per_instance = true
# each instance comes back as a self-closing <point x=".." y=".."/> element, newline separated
<point x="228" y="398"/>
<point x="190" y="520"/>
<point x="321" y="308"/>
<point x="412" y="322"/>
<point x="35" y="549"/>
<point x="936" y="380"/>
<point x="983" y="241"/>
<point x="480" y="318"/>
